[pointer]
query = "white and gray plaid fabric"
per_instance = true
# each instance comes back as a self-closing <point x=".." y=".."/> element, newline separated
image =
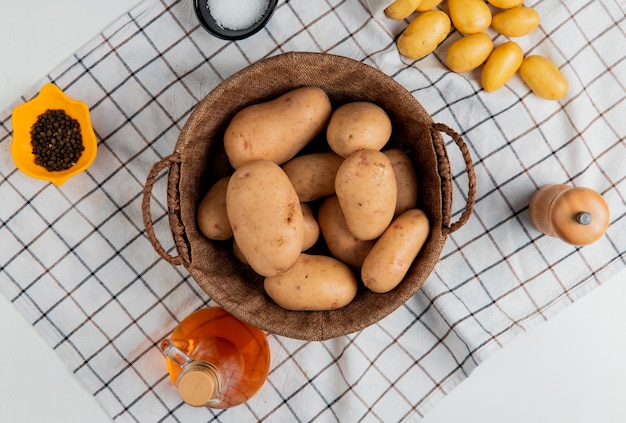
<point x="75" y="260"/>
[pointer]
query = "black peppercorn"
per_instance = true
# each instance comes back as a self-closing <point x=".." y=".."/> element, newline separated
<point x="56" y="140"/>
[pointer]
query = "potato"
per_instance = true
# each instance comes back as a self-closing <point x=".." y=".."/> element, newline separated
<point x="469" y="16"/>
<point x="367" y="192"/>
<point x="501" y="65"/>
<point x="311" y="227"/>
<point x="265" y="214"/>
<point x="424" y="34"/>
<point x="212" y="217"/>
<point x="277" y="130"/>
<point x="313" y="175"/>
<point x="314" y="282"/>
<point x="469" y="52"/>
<point x="406" y="180"/>
<point x="516" y="22"/>
<point x="340" y="242"/>
<point x="358" y="125"/>
<point x="543" y="77"/>
<point x="238" y="254"/>
<point x="391" y="257"/>
<point x="505" y="4"/>
<point x="401" y="9"/>
<point x="426" y="5"/>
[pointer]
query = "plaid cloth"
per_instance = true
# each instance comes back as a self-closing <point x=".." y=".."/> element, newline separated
<point x="76" y="262"/>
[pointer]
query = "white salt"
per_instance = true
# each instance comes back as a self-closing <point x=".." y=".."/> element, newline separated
<point x="237" y="14"/>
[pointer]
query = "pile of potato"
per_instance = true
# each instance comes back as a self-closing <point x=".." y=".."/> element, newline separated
<point x="475" y="48"/>
<point x="356" y="198"/>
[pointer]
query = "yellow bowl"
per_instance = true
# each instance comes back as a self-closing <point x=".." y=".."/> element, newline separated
<point x="24" y="117"/>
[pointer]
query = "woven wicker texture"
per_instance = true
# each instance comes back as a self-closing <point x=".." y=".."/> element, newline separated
<point x="199" y="161"/>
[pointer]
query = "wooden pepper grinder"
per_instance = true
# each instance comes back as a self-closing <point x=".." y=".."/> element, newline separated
<point x="576" y="215"/>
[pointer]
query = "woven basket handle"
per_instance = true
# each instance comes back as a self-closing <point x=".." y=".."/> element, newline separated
<point x="471" y="176"/>
<point x="172" y="163"/>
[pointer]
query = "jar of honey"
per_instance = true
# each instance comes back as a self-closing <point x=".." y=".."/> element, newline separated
<point x="576" y="215"/>
<point x="216" y="360"/>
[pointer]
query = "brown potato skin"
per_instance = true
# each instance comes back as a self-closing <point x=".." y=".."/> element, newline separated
<point x="237" y="253"/>
<point x="313" y="283"/>
<point x="406" y="180"/>
<point x="211" y="216"/>
<point x="278" y="129"/>
<point x="340" y="242"/>
<point x="313" y="175"/>
<point x="311" y="227"/>
<point x="358" y="125"/>
<point x="266" y="217"/>
<point x="392" y="255"/>
<point x="366" y="188"/>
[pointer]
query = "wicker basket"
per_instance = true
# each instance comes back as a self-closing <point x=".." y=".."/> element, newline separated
<point x="199" y="160"/>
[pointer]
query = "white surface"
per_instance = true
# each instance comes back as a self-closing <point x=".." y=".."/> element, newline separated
<point x="570" y="369"/>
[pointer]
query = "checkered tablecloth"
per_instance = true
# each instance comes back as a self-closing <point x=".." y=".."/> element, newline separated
<point x="76" y="262"/>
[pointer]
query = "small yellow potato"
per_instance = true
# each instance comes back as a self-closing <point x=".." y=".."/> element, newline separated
<point x="401" y="9"/>
<point x="406" y="180"/>
<point x="516" y="22"/>
<point x="358" y="125"/>
<point x="469" y="16"/>
<point x="469" y="52"/>
<point x="426" y="5"/>
<point x="543" y="77"/>
<point x="266" y="217"/>
<point x="505" y="4"/>
<point x="424" y="34"/>
<point x="313" y="283"/>
<point x="212" y="217"/>
<point x="394" y="252"/>
<point x="278" y="129"/>
<point x="311" y="227"/>
<point x="340" y="242"/>
<point x="313" y="175"/>
<point x="367" y="192"/>
<point x="501" y="65"/>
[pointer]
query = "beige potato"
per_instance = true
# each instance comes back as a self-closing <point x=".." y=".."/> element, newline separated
<point x="212" y="217"/>
<point x="394" y="252"/>
<point x="469" y="52"/>
<point x="516" y="22"/>
<point x="313" y="283"/>
<point x="469" y="16"/>
<point x="265" y="214"/>
<point x="501" y="65"/>
<point x="313" y="175"/>
<point x="366" y="188"/>
<point x="401" y="9"/>
<point x="426" y="5"/>
<point x="543" y="77"/>
<point x="278" y="129"/>
<point x="238" y="253"/>
<point x="340" y="242"/>
<point x="406" y="180"/>
<point x="311" y="227"/>
<point x="358" y="125"/>
<point x="505" y="4"/>
<point x="424" y="34"/>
